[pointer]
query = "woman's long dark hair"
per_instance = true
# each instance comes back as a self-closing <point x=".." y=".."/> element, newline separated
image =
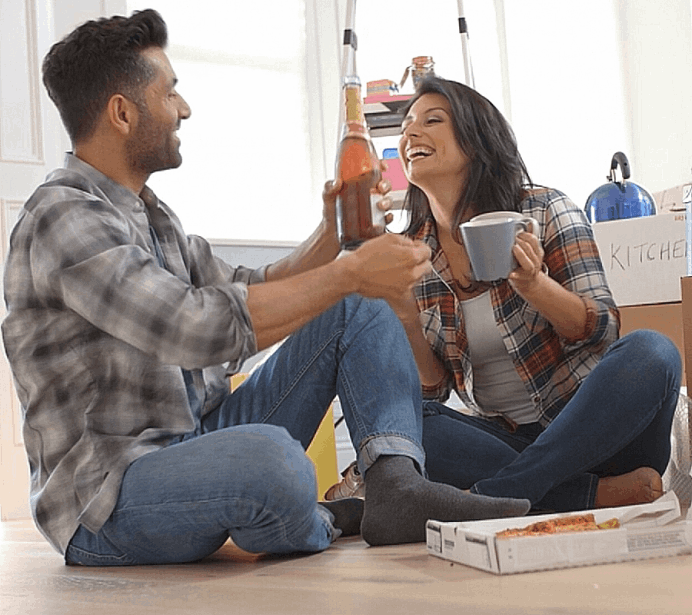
<point x="496" y="178"/>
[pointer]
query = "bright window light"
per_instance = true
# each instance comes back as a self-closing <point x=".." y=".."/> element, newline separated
<point x="246" y="171"/>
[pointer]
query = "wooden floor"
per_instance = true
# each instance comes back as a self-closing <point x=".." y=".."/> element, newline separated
<point x="350" y="577"/>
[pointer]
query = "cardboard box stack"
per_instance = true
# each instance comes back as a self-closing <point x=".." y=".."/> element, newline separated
<point x="645" y="260"/>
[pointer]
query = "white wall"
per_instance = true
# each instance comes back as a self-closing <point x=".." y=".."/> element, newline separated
<point x="656" y="44"/>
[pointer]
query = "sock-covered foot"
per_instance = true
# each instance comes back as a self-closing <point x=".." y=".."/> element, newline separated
<point x="399" y="501"/>
<point x="348" y="514"/>
<point x="640" y="486"/>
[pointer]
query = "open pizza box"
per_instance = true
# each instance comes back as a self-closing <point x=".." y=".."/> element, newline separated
<point x="645" y="531"/>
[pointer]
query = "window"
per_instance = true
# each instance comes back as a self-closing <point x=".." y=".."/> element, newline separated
<point x="246" y="170"/>
<point x="263" y="84"/>
<point x="562" y="92"/>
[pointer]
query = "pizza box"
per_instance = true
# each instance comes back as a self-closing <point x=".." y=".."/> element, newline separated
<point x="646" y="531"/>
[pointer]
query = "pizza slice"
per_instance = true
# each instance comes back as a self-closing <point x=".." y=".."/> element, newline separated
<point x="559" y="525"/>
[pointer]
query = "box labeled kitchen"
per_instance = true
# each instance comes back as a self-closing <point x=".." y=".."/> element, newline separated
<point x="644" y="531"/>
<point x="644" y="258"/>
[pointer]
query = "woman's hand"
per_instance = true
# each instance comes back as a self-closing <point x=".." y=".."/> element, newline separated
<point x="529" y="254"/>
<point x="333" y="187"/>
<point x="564" y="309"/>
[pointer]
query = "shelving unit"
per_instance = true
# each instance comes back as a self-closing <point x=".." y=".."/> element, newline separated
<point x="384" y="115"/>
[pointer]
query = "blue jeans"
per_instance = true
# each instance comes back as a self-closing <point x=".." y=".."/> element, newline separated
<point x="619" y="419"/>
<point x="245" y="474"/>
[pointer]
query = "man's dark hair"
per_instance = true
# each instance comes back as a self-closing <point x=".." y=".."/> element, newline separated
<point x="97" y="60"/>
<point x="496" y="177"/>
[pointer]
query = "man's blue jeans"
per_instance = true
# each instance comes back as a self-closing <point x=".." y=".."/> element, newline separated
<point x="245" y="474"/>
<point x="619" y="420"/>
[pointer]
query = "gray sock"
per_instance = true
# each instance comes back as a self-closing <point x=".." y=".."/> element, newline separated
<point x="399" y="501"/>
<point x="348" y="513"/>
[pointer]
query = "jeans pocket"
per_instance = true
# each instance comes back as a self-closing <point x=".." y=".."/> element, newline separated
<point x="87" y="549"/>
<point x="74" y="556"/>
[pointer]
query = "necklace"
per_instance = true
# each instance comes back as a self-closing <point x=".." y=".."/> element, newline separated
<point x="472" y="287"/>
<point x="456" y="250"/>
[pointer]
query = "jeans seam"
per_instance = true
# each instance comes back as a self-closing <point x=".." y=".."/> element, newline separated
<point x="355" y="416"/>
<point x="306" y="365"/>
<point x="88" y="555"/>
<point x="613" y="450"/>
<point x="276" y="518"/>
<point x="390" y="434"/>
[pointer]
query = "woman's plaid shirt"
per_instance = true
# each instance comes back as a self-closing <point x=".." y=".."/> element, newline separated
<point x="551" y="367"/>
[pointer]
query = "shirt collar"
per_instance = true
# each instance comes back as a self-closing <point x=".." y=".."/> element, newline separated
<point x="115" y="192"/>
<point x="428" y="234"/>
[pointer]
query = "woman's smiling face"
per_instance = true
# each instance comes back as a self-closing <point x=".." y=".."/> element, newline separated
<point x="428" y="147"/>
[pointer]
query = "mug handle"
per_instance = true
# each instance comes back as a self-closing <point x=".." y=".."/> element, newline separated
<point x="523" y="225"/>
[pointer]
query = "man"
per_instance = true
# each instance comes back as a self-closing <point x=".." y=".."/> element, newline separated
<point x="118" y="326"/>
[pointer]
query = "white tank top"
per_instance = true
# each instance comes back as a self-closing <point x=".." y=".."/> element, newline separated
<point x="497" y="387"/>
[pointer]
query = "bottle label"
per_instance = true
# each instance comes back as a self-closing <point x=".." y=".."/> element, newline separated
<point x="354" y="106"/>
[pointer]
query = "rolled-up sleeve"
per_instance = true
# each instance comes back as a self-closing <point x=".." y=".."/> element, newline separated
<point x="573" y="260"/>
<point x="89" y="258"/>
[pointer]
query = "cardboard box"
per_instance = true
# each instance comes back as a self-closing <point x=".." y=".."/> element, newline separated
<point x="686" y="286"/>
<point x="665" y="318"/>
<point x="672" y="199"/>
<point x="647" y="531"/>
<point x="644" y="258"/>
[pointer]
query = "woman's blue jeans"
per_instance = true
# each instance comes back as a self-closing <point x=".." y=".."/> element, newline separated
<point x="245" y="474"/>
<point x="619" y="419"/>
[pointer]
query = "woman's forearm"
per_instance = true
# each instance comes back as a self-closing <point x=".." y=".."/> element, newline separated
<point x="564" y="309"/>
<point x="430" y="369"/>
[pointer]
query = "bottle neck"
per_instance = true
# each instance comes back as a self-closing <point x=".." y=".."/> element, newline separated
<point x="354" y="117"/>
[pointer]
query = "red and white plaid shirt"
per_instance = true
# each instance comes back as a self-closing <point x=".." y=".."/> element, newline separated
<point x="551" y="367"/>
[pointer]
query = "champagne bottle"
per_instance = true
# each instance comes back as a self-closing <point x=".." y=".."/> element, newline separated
<point x="358" y="217"/>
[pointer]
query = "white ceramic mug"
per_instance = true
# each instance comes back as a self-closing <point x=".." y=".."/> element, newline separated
<point x="489" y="239"/>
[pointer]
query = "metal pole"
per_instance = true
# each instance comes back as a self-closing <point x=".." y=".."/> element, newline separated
<point x="465" y="51"/>
<point x="350" y="42"/>
<point x="348" y="57"/>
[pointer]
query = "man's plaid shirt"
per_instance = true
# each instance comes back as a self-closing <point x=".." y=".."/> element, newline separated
<point x="551" y="367"/>
<point x="97" y="332"/>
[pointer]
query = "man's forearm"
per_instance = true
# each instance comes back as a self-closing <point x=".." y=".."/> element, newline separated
<point x="319" y="249"/>
<point x="382" y="268"/>
<point x="281" y="306"/>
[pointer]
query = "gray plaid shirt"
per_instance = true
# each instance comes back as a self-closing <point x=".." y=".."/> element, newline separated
<point x="97" y="332"/>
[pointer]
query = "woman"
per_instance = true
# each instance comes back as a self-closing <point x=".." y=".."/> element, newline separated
<point x="561" y="411"/>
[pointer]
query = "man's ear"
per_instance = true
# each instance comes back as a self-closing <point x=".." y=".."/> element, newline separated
<point x="122" y="114"/>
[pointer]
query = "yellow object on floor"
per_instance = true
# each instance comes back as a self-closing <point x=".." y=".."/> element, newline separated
<point x="322" y="449"/>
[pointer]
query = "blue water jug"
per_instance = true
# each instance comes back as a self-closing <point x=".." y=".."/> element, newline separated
<point x="619" y="200"/>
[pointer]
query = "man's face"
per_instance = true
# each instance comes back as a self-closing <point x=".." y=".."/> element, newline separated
<point x="154" y="145"/>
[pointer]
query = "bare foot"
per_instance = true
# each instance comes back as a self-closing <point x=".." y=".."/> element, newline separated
<point x="640" y="486"/>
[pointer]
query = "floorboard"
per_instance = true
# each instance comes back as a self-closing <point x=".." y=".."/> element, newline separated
<point x="348" y="578"/>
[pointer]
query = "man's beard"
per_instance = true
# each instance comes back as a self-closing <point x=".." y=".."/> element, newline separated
<point x="152" y="148"/>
